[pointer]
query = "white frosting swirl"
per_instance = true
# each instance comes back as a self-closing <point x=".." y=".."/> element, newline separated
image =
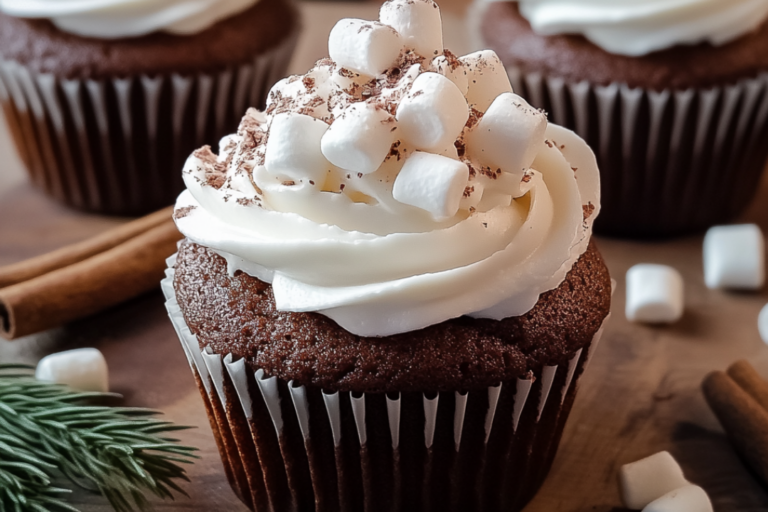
<point x="112" y="19"/>
<point x="639" y="27"/>
<point x="397" y="246"/>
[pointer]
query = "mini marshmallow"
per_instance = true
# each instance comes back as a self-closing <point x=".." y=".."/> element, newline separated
<point x="762" y="323"/>
<point x="83" y="369"/>
<point x="293" y="148"/>
<point x="418" y="22"/>
<point x="453" y="70"/>
<point x="508" y="136"/>
<point x="648" y="479"/>
<point x="734" y="257"/>
<point x="368" y="47"/>
<point x="654" y="294"/>
<point x="690" y="498"/>
<point x="487" y="78"/>
<point x="433" y="183"/>
<point x="433" y="114"/>
<point x="360" y="138"/>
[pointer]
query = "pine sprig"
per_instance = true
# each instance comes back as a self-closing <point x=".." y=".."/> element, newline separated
<point x="118" y="452"/>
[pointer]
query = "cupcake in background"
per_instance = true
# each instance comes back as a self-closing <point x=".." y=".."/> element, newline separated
<point x="672" y="95"/>
<point x="105" y="100"/>
<point x="388" y="291"/>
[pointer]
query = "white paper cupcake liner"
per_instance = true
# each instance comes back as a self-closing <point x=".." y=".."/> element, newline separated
<point x="290" y="447"/>
<point x="671" y="161"/>
<point x="117" y="146"/>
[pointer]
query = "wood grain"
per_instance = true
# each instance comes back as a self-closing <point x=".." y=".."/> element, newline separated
<point x="640" y="395"/>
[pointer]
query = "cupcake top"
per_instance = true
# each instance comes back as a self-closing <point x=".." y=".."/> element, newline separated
<point x="112" y="19"/>
<point x="639" y="27"/>
<point x="395" y="185"/>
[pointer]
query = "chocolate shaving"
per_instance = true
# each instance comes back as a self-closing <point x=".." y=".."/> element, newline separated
<point x="215" y="171"/>
<point x="394" y="151"/>
<point x="182" y="212"/>
<point x="461" y="147"/>
<point x="474" y="117"/>
<point x="309" y="83"/>
<point x="245" y="201"/>
<point x="451" y="59"/>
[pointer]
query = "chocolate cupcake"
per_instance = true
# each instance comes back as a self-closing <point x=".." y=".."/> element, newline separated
<point x="387" y="291"/>
<point x="106" y="101"/>
<point x="673" y="96"/>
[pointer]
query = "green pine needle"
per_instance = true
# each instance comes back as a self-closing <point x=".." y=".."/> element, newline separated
<point x="48" y="429"/>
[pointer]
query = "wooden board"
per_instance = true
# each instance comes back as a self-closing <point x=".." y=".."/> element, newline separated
<point x="640" y="395"/>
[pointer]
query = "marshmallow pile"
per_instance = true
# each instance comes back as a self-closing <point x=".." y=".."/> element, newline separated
<point x="657" y="484"/>
<point x="394" y="119"/>
<point x="395" y="185"/>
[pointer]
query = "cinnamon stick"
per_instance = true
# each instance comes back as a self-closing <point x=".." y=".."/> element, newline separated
<point x="742" y="417"/>
<point x="96" y="283"/>
<point x="745" y="375"/>
<point x="35" y="267"/>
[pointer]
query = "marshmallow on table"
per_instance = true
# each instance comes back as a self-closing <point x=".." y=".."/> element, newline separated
<point x="654" y="294"/>
<point x="433" y="114"/>
<point x="734" y="257"/>
<point x="508" y="136"/>
<point x="360" y="138"/>
<point x="762" y="323"/>
<point x="293" y="147"/>
<point x="368" y="47"/>
<point x="648" y="479"/>
<point x="433" y="183"/>
<point x="83" y="369"/>
<point x="690" y="498"/>
<point x="453" y="70"/>
<point x="418" y="22"/>
<point x="487" y="78"/>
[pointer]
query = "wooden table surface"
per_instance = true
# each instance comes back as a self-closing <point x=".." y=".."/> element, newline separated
<point x="640" y="395"/>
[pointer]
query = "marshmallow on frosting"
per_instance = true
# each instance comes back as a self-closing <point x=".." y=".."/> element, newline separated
<point x="488" y="78"/>
<point x="360" y="139"/>
<point x="395" y="147"/>
<point x="508" y="135"/>
<point x="434" y="112"/>
<point x="294" y="149"/>
<point x="368" y="47"/>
